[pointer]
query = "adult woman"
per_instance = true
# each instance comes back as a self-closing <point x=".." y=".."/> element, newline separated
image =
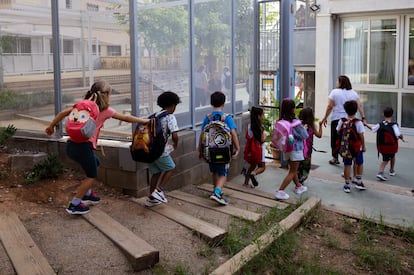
<point x="336" y="99"/>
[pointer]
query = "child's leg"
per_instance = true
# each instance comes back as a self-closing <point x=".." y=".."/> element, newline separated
<point x="248" y="173"/>
<point x="292" y="174"/>
<point x="347" y="172"/>
<point x="392" y="164"/>
<point x="382" y="166"/>
<point x="153" y="182"/>
<point x="261" y="167"/>
<point x="85" y="185"/>
<point x="165" y="170"/>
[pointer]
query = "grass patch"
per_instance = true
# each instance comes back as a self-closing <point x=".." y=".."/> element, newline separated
<point x="6" y="134"/>
<point x="51" y="167"/>
<point x="371" y="258"/>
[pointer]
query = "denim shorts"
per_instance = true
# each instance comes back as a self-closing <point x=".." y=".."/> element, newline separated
<point x="293" y="156"/>
<point x="83" y="154"/>
<point x="162" y="164"/>
<point x="359" y="159"/>
<point x="221" y="169"/>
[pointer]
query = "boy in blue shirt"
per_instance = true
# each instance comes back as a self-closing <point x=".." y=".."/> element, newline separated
<point x="220" y="171"/>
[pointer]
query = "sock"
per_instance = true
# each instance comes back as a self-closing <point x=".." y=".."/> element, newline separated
<point x="159" y="187"/>
<point x="76" y="201"/>
<point x="359" y="179"/>
<point x="347" y="182"/>
<point x="89" y="192"/>
<point x="217" y="190"/>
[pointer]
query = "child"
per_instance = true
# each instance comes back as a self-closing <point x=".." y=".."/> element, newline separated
<point x="220" y="171"/>
<point x="294" y="158"/>
<point x="255" y="131"/>
<point x="163" y="168"/>
<point x="83" y="153"/>
<point x="307" y="117"/>
<point x="388" y="147"/>
<point x="352" y="145"/>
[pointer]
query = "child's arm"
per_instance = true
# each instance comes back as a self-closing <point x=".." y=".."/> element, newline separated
<point x="174" y="137"/>
<point x="367" y="125"/>
<point x="236" y="143"/>
<point x="130" y="118"/>
<point x="51" y="128"/>
<point x="362" y="139"/>
<point x="318" y="133"/>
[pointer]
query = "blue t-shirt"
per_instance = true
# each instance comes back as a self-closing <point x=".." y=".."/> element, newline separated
<point x="216" y="114"/>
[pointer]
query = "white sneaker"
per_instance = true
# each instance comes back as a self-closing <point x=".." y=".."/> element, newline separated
<point x="281" y="195"/>
<point x="301" y="189"/>
<point x="159" y="195"/>
<point x="381" y="176"/>
<point x="152" y="202"/>
<point x="392" y="173"/>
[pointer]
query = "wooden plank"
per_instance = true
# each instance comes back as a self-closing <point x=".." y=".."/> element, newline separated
<point x="260" y="193"/>
<point x="235" y="263"/>
<point x="24" y="254"/>
<point x="210" y="232"/>
<point x="246" y="197"/>
<point x="140" y="254"/>
<point x="229" y="209"/>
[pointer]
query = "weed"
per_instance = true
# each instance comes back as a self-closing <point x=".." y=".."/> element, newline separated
<point x="4" y="175"/>
<point x="11" y="100"/>
<point x="6" y="133"/>
<point x="371" y="258"/>
<point x="348" y="226"/>
<point x="51" y="167"/>
<point x="332" y="242"/>
<point x="181" y="269"/>
<point x="205" y="251"/>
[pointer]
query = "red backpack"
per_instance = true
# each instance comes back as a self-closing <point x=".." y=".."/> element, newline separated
<point x="81" y="122"/>
<point x="252" y="150"/>
<point x="387" y="142"/>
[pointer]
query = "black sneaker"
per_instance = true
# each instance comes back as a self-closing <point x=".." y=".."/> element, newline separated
<point x="254" y="180"/>
<point x="91" y="199"/>
<point x="219" y="198"/>
<point x="347" y="188"/>
<point x="79" y="209"/>
<point x="360" y="186"/>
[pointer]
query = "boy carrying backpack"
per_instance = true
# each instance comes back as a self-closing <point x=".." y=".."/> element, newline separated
<point x="351" y="144"/>
<point x="388" y="134"/>
<point x="217" y="140"/>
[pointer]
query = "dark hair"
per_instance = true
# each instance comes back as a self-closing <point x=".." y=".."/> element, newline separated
<point x="344" y="82"/>
<point x="217" y="99"/>
<point x="201" y="68"/>
<point x="351" y="107"/>
<point x="388" y="112"/>
<point x="96" y="94"/>
<point x="287" y="110"/>
<point x="308" y="117"/>
<point x="167" y="99"/>
<point x="255" y="123"/>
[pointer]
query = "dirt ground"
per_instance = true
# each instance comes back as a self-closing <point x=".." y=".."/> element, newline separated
<point x="73" y="246"/>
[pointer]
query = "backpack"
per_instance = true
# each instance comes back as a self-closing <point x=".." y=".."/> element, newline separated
<point x="282" y="138"/>
<point x="387" y="142"/>
<point x="148" y="141"/>
<point x="349" y="144"/>
<point x="81" y="122"/>
<point x="252" y="150"/>
<point x="308" y="144"/>
<point x="216" y="141"/>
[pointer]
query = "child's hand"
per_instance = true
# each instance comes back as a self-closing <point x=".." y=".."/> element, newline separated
<point x="364" y="149"/>
<point x="50" y="130"/>
<point x="236" y="153"/>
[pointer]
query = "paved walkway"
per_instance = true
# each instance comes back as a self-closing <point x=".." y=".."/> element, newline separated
<point x="391" y="201"/>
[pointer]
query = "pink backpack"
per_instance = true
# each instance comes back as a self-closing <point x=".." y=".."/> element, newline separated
<point x="81" y="122"/>
<point x="282" y="138"/>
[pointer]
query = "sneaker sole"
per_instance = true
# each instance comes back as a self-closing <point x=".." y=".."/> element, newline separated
<point x="360" y="188"/>
<point x="159" y="198"/>
<point x="77" y="212"/>
<point x="152" y="204"/>
<point x="90" y="202"/>
<point x="218" y="200"/>
<point x="381" y="178"/>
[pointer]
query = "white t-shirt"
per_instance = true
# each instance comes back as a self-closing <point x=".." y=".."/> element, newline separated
<point x="339" y="97"/>
<point x="358" y="125"/>
<point x="394" y="127"/>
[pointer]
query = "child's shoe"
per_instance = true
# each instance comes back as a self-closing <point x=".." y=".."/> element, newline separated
<point x="360" y="185"/>
<point x="381" y="176"/>
<point x="219" y="198"/>
<point x="347" y="188"/>
<point x="301" y="189"/>
<point x="92" y="199"/>
<point x="79" y="209"/>
<point x="392" y="173"/>
<point x="254" y="180"/>
<point x="281" y="195"/>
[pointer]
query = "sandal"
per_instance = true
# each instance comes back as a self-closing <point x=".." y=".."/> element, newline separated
<point x="334" y="161"/>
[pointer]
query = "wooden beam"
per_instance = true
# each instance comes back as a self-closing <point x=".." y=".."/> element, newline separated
<point x="210" y="232"/>
<point x="228" y="209"/>
<point x="24" y="254"/>
<point x="140" y="254"/>
<point x="246" y="197"/>
<point x="235" y="263"/>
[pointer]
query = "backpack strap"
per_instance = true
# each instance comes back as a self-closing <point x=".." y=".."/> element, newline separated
<point x="213" y="118"/>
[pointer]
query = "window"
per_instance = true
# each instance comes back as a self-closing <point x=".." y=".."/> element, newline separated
<point x="17" y="45"/>
<point x="114" y="50"/>
<point x="369" y="51"/>
<point x="67" y="46"/>
<point x="94" y="49"/>
<point x="411" y="52"/>
<point x="68" y="4"/>
<point x="92" y="7"/>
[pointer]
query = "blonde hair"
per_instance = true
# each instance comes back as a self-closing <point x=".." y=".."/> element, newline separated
<point x="96" y="94"/>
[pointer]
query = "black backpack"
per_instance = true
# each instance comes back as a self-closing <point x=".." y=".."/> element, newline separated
<point x="387" y="142"/>
<point x="148" y="141"/>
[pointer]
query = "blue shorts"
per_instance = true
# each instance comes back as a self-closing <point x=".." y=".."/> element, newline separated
<point x="83" y="154"/>
<point x="359" y="159"/>
<point x="162" y="164"/>
<point x="221" y="169"/>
